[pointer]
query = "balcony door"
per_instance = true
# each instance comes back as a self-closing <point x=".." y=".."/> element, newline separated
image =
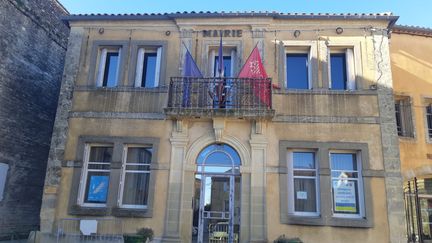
<point x="223" y="89"/>
<point x="216" y="216"/>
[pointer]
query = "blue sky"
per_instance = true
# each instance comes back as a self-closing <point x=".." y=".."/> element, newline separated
<point x="411" y="12"/>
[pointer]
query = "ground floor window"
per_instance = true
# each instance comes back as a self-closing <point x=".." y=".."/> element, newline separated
<point x="418" y="209"/>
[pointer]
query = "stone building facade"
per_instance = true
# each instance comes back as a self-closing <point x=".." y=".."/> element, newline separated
<point x="135" y="142"/>
<point x="413" y="98"/>
<point x="33" y="42"/>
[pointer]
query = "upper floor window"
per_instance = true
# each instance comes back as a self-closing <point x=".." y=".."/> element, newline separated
<point x="429" y="121"/>
<point x="342" y="70"/>
<point x="3" y="173"/>
<point x="135" y="177"/>
<point x="148" y="67"/>
<point x="303" y="191"/>
<point x="297" y="71"/>
<point x="229" y="54"/>
<point x="108" y="69"/>
<point x="404" y="122"/>
<point x="95" y="176"/>
<point x="347" y="187"/>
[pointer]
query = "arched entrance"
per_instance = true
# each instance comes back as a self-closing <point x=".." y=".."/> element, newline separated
<point x="216" y="209"/>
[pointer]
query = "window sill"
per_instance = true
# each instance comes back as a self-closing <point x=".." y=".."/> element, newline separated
<point x="90" y="211"/>
<point x="132" y="212"/>
<point x="324" y="91"/>
<point x="325" y="221"/>
<point x="303" y="220"/>
<point x="159" y="89"/>
<point x="350" y="222"/>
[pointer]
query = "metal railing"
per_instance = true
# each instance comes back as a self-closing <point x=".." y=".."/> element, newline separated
<point x="73" y="230"/>
<point x="242" y="97"/>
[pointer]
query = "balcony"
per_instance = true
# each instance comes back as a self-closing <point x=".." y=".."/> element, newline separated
<point x="246" y="98"/>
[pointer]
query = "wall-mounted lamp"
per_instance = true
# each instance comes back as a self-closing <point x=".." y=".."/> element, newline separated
<point x="101" y="30"/>
<point x="297" y="33"/>
<point x="339" y="30"/>
<point x="167" y="33"/>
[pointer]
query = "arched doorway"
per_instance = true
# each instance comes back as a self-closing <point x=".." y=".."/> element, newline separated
<point x="216" y="209"/>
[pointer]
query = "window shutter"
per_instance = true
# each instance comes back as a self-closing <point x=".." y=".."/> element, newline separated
<point x="139" y="67"/>
<point x="212" y="62"/>
<point x="233" y="62"/>
<point x="101" y="69"/>
<point x="350" y="69"/>
<point x="158" y="66"/>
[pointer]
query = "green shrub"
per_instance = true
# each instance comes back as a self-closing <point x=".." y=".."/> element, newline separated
<point x="147" y="233"/>
<point x="141" y="236"/>
<point x="283" y="239"/>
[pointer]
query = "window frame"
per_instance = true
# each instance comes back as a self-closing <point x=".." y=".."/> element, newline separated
<point x="299" y="50"/>
<point x="4" y="168"/>
<point x="140" y="71"/>
<point x="94" y="60"/>
<point x="350" y="67"/>
<point x="101" y="74"/>
<point x="407" y="121"/>
<point x="84" y="175"/>
<point x="428" y="130"/>
<point x="123" y="176"/>
<point x="359" y="180"/>
<point x="228" y="51"/>
<point x="291" y="189"/>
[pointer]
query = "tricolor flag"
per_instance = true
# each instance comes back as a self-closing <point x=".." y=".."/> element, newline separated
<point x="220" y="60"/>
<point x="253" y="68"/>
<point x="190" y="70"/>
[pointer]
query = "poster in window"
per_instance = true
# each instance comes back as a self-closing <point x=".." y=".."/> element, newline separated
<point x="344" y="196"/>
<point x="98" y="188"/>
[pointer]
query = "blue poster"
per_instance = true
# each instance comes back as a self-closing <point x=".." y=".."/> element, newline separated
<point x="98" y="189"/>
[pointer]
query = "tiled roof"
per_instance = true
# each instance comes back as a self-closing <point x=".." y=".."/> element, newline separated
<point x="412" y="30"/>
<point x="277" y="15"/>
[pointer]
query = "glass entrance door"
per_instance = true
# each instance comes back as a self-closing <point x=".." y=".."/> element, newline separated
<point x="216" y="204"/>
<point x="217" y="209"/>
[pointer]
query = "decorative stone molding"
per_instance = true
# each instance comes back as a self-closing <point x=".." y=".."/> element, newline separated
<point x="219" y="127"/>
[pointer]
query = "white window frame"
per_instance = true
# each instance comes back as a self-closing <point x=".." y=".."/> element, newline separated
<point x="353" y="60"/>
<point x="359" y="180"/>
<point x="301" y="47"/>
<point x="102" y="64"/>
<point x="123" y="176"/>
<point x="3" y="174"/>
<point x="232" y="52"/>
<point x="84" y="175"/>
<point x="291" y="201"/>
<point x="139" y="70"/>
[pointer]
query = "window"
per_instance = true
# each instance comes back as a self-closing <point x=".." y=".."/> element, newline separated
<point x="108" y="72"/>
<point x="135" y="177"/>
<point x="403" y="114"/>
<point x="342" y="73"/>
<point x="96" y="175"/>
<point x="148" y="67"/>
<point x="303" y="183"/>
<point x="429" y="120"/>
<point x="297" y="71"/>
<point x="347" y="192"/>
<point x="229" y="54"/>
<point x="3" y="173"/>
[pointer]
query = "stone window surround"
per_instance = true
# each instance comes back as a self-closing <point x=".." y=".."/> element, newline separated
<point x="112" y="207"/>
<point x="326" y="217"/>
<point x="400" y="96"/>
<point x="97" y="45"/>
<point x="205" y="52"/>
<point x="426" y="100"/>
<point x="133" y="57"/>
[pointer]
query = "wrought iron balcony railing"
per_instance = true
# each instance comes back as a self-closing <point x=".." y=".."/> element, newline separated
<point x="210" y="97"/>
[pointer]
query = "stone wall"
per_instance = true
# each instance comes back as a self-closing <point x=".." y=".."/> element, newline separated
<point x="32" y="47"/>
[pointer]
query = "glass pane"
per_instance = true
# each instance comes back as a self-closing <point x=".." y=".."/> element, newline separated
<point x="343" y="174"/>
<point x="149" y="70"/>
<point x="100" y="154"/>
<point x="140" y="167"/>
<point x="135" y="190"/>
<point x="305" y="195"/>
<point x="139" y="155"/>
<point x="227" y="66"/>
<point x="98" y="166"/>
<point x="338" y="71"/>
<point x="343" y="162"/>
<point x="96" y="187"/>
<point x="297" y="71"/>
<point x="110" y="75"/>
<point x="304" y="173"/>
<point x="429" y="120"/>
<point x="219" y="169"/>
<point x="220" y="157"/>
<point x="304" y="160"/>
<point x="345" y="196"/>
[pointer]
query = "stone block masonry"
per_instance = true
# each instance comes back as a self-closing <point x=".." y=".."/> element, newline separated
<point x="32" y="46"/>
